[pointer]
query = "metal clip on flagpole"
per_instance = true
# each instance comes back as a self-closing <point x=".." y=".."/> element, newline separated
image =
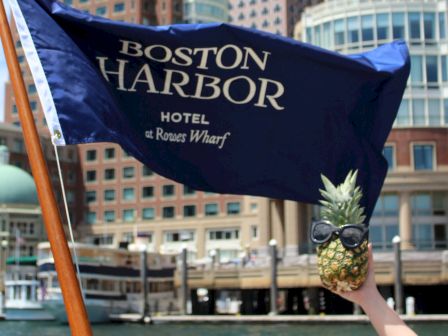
<point x="74" y="304"/>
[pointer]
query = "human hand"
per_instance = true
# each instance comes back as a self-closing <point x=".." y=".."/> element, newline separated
<point x="385" y="321"/>
<point x="368" y="289"/>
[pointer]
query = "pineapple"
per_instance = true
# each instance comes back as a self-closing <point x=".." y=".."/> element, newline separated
<point x="342" y="269"/>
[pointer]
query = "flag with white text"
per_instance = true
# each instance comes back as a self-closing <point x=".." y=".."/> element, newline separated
<point x="215" y="106"/>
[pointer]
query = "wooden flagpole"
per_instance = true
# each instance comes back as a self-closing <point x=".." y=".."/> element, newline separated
<point x="74" y="304"/>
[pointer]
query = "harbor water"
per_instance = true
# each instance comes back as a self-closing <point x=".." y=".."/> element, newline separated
<point x="56" y="329"/>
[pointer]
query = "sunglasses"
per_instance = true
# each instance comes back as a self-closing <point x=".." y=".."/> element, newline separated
<point x="350" y="235"/>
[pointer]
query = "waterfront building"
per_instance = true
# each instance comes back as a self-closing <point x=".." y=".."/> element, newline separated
<point x="113" y="198"/>
<point x="277" y="16"/>
<point x="205" y="11"/>
<point x="414" y="201"/>
<point x="20" y="215"/>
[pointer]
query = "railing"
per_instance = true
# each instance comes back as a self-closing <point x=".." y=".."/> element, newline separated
<point x="419" y="268"/>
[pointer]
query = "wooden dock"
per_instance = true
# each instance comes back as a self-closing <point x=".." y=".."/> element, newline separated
<point x="269" y="319"/>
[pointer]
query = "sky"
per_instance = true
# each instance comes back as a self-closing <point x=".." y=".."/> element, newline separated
<point x="3" y="75"/>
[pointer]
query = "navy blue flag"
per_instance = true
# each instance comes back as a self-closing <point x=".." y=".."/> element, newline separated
<point x="214" y="106"/>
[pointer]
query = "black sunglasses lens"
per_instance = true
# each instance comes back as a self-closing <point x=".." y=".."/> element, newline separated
<point x="322" y="231"/>
<point x="351" y="236"/>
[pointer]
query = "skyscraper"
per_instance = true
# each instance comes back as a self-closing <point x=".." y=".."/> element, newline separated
<point x="122" y="198"/>
<point x="277" y="16"/>
<point x="414" y="202"/>
<point x="205" y="11"/>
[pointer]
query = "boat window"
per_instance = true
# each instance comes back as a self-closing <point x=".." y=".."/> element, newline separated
<point x="108" y="285"/>
<point x="92" y="284"/>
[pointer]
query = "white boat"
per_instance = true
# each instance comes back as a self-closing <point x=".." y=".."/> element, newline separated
<point x="111" y="282"/>
<point x="21" y="291"/>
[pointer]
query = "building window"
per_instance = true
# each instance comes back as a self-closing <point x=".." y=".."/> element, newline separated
<point x="109" y="195"/>
<point x="128" y="172"/>
<point x="119" y="7"/>
<point x="423" y="235"/>
<point x="109" y="153"/>
<point x="189" y="191"/>
<point x="91" y="217"/>
<point x="91" y="175"/>
<point x="179" y="236"/>
<point x="168" y="190"/>
<point x="388" y="153"/>
<point x="429" y="25"/>
<point x="431" y="69"/>
<point x="101" y="11"/>
<point x="423" y="157"/>
<point x="127" y="237"/>
<point x="403" y="113"/>
<point x="416" y="71"/>
<point x="367" y="28"/>
<point x="386" y="206"/>
<point x="445" y="111"/>
<point x="253" y="13"/>
<point x="421" y="204"/>
<point x="91" y="155"/>
<point x="147" y="171"/>
<point x="211" y="209"/>
<point x="339" y="30"/>
<point x="353" y="29"/>
<point x="265" y="11"/>
<point x="128" y="194"/>
<point x="442" y="25"/>
<point x="109" y="216"/>
<point x="382" y="26"/>
<point x="398" y="26"/>
<point x="189" y="210"/>
<point x="33" y="105"/>
<point x="434" y="112"/>
<point x="90" y="196"/>
<point x="148" y="213"/>
<point x="414" y="25"/>
<point x="233" y="208"/>
<point x="14" y="109"/>
<point x="32" y="89"/>
<point x="147" y="192"/>
<point x="439" y="203"/>
<point x="18" y="146"/>
<point x="444" y="68"/>
<point x="128" y="215"/>
<point x="168" y="212"/>
<point x="223" y="234"/>
<point x="254" y="232"/>
<point x="109" y="174"/>
<point x="381" y="235"/>
<point x="418" y="112"/>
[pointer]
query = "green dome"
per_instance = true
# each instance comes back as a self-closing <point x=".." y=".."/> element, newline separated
<point x="16" y="186"/>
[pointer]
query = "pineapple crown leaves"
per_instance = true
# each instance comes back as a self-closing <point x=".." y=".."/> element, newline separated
<point x="341" y="203"/>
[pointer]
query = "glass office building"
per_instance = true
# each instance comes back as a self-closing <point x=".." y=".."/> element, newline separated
<point x="206" y="11"/>
<point x="414" y="199"/>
